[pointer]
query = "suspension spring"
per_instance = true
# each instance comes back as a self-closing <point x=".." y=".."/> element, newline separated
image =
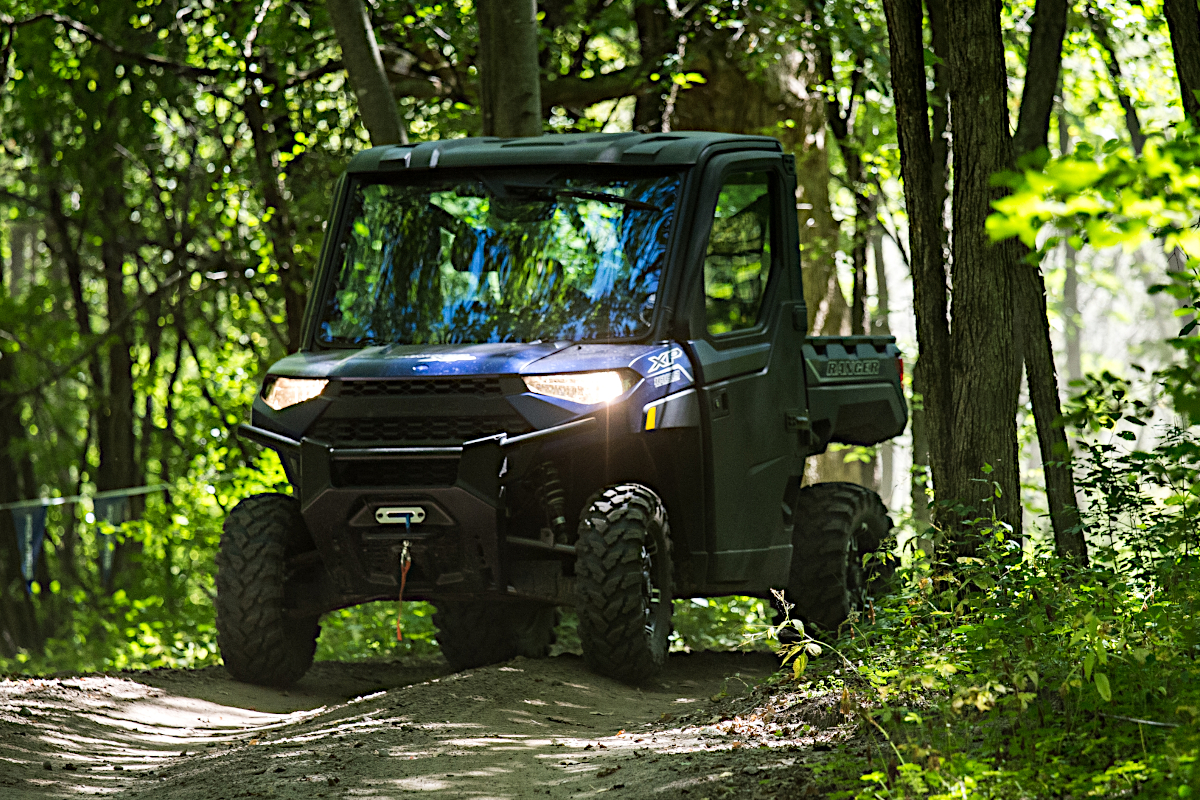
<point x="548" y="490"/>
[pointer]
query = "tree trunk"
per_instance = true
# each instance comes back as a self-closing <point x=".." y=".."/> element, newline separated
<point x="653" y="22"/>
<point x="115" y="434"/>
<point x="940" y="40"/>
<point x="364" y="65"/>
<point x="1183" y="20"/>
<point x="918" y="168"/>
<point x="1041" y="75"/>
<point x="1033" y="128"/>
<point x="982" y="472"/>
<point x="1070" y="313"/>
<point x="510" y="78"/>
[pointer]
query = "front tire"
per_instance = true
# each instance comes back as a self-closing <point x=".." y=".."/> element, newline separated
<point x="475" y="634"/>
<point x="835" y="524"/>
<point x="259" y="641"/>
<point x="623" y="583"/>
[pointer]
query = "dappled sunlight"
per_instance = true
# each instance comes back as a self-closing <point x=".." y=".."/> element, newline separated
<point x="505" y="732"/>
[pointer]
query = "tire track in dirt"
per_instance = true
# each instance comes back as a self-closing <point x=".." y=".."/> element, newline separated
<point x="529" y="728"/>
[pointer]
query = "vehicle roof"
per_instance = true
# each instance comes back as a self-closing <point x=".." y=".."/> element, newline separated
<point x="666" y="149"/>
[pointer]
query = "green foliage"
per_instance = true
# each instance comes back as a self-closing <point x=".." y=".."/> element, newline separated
<point x="1014" y="674"/>
<point x="1009" y="677"/>
<point x="369" y="631"/>
<point x="719" y="623"/>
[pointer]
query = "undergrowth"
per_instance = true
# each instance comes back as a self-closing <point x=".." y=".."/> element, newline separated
<point x="1004" y="676"/>
<point x="1013" y="673"/>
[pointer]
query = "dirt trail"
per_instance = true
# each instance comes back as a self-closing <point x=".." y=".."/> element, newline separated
<point x="376" y="730"/>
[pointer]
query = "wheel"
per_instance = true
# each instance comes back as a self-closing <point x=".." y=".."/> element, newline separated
<point x="259" y="642"/>
<point x="834" y="525"/>
<point x="623" y="583"/>
<point x="475" y="634"/>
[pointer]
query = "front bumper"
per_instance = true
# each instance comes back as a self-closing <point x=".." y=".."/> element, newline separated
<point x="460" y="549"/>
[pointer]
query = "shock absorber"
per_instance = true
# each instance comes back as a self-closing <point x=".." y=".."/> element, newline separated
<point x="548" y="490"/>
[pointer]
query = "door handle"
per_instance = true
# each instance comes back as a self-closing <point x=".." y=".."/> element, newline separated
<point x="719" y="400"/>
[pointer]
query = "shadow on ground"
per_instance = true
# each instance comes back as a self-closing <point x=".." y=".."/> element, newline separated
<point x="523" y="729"/>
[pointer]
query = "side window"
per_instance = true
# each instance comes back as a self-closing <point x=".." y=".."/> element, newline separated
<point x="737" y="262"/>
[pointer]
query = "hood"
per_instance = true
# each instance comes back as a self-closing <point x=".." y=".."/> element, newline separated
<point x="415" y="361"/>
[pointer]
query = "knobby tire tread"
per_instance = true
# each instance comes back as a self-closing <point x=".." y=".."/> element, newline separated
<point x="835" y="523"/>
<point x="608" y="569"/>
<point x="259" y="642"/>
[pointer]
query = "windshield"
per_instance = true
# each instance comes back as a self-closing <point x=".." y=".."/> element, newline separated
<point x="485" y="258"/>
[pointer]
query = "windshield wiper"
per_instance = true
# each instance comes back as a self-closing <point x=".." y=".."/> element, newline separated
<point x="582" y="194"/>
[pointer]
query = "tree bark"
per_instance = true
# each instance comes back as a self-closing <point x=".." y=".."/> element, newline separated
<point x="940" y="40"/>
<point x="510" y="78"/>
<point x="918" y="167"/>
<point x="1183" y="20"/>
<point x="982" y="469"/>
<point x="1033" y="128"/>
<point x="364" y="65"/>
<point x="653" y="22"/>
<point x="1041" y="75"/>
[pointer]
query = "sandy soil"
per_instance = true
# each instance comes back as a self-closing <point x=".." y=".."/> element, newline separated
<point x="383" y="730"/>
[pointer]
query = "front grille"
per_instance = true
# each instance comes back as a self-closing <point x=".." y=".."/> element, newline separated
<point x="414" y="430"/>
<point x="422" y="387"/>
<point x="395" y="472"/>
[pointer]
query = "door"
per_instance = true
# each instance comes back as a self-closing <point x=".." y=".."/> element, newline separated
<point x="750" y="366"/>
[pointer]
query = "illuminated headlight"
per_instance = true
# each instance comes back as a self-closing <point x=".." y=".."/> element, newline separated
<point x="279" y="393"/>
<point x="585" y="388"/>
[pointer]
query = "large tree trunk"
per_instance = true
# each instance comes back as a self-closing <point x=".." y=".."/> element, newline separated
<point x="1183" y="20"/>
<point x="360" y="55"/>
<point x="116" y="437"/>
<point x="924" y="204"/>
<point x="509" y="74"/>
<point x="982" y="471"/>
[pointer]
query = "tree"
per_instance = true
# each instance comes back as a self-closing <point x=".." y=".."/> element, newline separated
<point x="1033" y="128"/>
<point x="360" y="54"/>
<point x="509" y="74"/>
<point x="1183" y="19"/>
<point x="970" y="367"/>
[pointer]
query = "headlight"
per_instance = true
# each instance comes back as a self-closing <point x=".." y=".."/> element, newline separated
<point x="586" y="388"/>
<point x="279" y="393"/>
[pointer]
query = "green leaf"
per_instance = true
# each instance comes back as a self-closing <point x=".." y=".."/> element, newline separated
<point x="1103" y="688"/>
<point x="799" y="665"/>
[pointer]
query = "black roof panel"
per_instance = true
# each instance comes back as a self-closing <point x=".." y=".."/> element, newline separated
<point x="665" y="149"/>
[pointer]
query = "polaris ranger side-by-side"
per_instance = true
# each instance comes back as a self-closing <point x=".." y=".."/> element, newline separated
<point x="564" y="371"/>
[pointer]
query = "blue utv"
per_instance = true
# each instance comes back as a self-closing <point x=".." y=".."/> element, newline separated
<point x="565" y="371"/>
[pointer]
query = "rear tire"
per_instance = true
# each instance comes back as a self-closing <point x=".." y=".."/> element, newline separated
<point x="260" y="643"/>
<point x="475" y="634"/>
<point x="835" y="524"/>
<point x="623" y="583"/>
